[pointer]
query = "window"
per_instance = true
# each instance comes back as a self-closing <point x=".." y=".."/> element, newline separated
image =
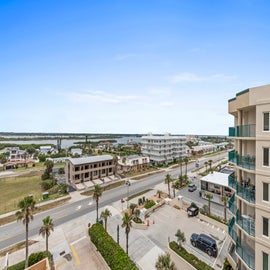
<point x="265" y="156"/>
<point x="265" y="226"/>
<point x="266" y="121"/>
<point x="265" y="261"/>
<point x="266" y="192"/>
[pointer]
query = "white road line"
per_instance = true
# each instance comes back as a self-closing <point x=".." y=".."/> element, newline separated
<point x="79" y="207"/>
<point x="220" y="250"/>
<point x="78" y="240"/>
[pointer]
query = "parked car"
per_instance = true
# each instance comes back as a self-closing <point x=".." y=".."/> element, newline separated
<point x="192" y="210"/>
<point x="192" y="187"/>
<point x="205" y="243"/>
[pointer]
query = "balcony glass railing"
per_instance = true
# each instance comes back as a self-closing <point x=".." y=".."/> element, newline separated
<point x="242" y="131"/>
<point x="246" y="223"/>
<point x="232" y="181"/>
<point x="232" y="156"/>
<point x="232" y="230"/>
<point x="247" y="193"/>
<point x="247" y="162"/>
<point x="232" y="205"/>
<point x="246" y="256"/>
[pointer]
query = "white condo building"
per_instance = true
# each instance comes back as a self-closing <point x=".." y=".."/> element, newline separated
<point x="163" y="148"/>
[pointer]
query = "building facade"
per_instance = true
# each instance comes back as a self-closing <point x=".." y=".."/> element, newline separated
<point x="163" y="149"/>
<point x="250" y="205"/>
<point x="79" y="170"/>
<point x="132" y="163"/>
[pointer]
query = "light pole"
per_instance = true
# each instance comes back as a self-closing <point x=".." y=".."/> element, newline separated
<point x="127" y="184"/>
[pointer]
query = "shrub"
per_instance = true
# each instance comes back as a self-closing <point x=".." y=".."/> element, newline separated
<point x="192" y="259"/>
<point x="113" y="254"/>
<point x="149" y="204"/>
<point x="47" y="184"/>
<point x="226" y="265"/>
<point x="32" y="259"/>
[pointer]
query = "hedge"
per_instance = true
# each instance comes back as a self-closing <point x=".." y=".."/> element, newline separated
<point x="112" y="253"/>
<point x="32" y="259"/>
<point x="192" y="259"/>
<point x="149" y="204"/>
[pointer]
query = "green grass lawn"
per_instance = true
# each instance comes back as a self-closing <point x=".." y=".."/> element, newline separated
<point x="13" y="189"/>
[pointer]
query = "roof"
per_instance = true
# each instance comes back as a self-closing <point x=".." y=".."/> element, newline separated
<point x="216" y="178"/>
<point x="92" y="159"/>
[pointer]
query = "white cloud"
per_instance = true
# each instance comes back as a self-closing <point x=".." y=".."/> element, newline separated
<point x="103" y="97"/>
<point x="191" y="77"/>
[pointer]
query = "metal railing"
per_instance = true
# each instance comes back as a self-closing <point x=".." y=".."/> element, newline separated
<point x="246" y="256"/>
<point x="243" y="131"/>
<point x="247" y="193"/>
<point x="246" y="223"/>
<point x="232" y="206"/>
<point x="247" y="162"/>
<point x="232" y="181"/>
<point x="232" y="230"/>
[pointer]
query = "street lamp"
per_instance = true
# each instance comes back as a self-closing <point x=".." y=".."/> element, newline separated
<point x="127" y="184"/>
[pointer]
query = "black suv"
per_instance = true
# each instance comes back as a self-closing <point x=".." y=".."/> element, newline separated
<point x="193" y="210"/>
<point x="205" y="243"/>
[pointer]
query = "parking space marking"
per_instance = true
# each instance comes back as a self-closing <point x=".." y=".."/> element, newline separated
<point x="75" y="254"/>
<point x="78" y="240"/>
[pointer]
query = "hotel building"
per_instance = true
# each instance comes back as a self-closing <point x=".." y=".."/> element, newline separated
<point x="163" y="148"/>
<point x="250" y="204"/>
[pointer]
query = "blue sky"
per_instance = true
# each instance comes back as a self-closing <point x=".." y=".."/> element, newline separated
<point x="129" y="66"/>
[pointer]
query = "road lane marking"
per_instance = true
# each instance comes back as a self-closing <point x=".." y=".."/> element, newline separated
<point x="78" y="207"/>
<point x="75" y="254"/>
<point x="78" y="240"/>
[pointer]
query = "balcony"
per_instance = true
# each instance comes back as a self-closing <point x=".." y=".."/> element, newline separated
<point x="232" y="205"/>
<point x="247" y="256"/>
<point x="246" y="223"/>
<point x="242" y="131"/>
<point x="232" y="230"/>
<point x="232" y="181"/>
<point x="247" y="162"/>
<point x="246" y="193"/>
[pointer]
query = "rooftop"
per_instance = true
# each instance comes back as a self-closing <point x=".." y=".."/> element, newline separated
<point x="92" y="159"/>
<point x="216" y="178"/>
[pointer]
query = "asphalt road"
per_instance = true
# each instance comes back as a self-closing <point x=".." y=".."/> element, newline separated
<point x="15" y="232"/>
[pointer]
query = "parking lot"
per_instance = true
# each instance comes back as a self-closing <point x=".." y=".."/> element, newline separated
<point x="167" y="220"/>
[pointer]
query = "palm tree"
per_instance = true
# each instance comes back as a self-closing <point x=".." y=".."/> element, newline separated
<point x="210" y="162"/>
<point x="186" y="160"/>
<point x="159" y="192"/>
<point x="205" y="164"/>
<point x="164" y="262"/>
<point x="132" y="206"/>
<point x="127" y="225"/>
<point x="225" y="199"/>
<point x="46" y="229"/>
<point x="180" y="238"/>
<point x="180" y="178"/>
<point x="174" y="185"/>
<point x="209" y="197"/>
<point x="167" y="181"/>
<point x="96" y="195"/>
<point x="105" y="214"/>
<point x="181" y="163"/>
<point x="27" y="206"/>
